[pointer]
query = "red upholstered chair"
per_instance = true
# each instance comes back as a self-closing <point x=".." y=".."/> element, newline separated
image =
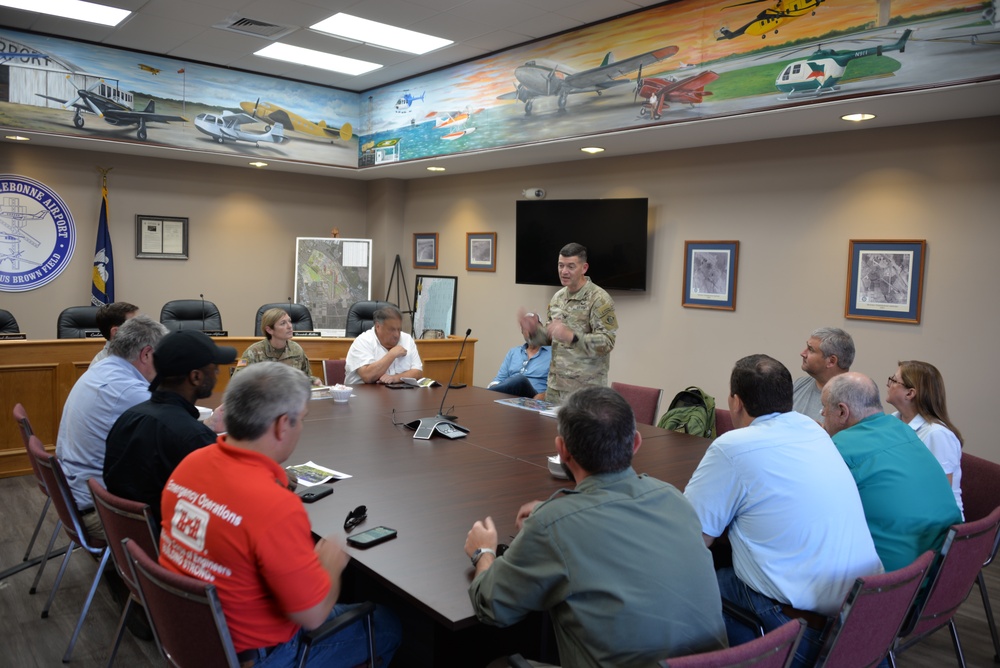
<point x="334" y="372"/>
<point x="723" y="421"/>
<point x="123" y="519"/>
<point x="62" y="498"/>
<point x="965" y="550"/>
<point x="643" y="400"/>
<point x="980" y="495"/>
<point x="190" y="626"/>
<point x="873" y="612"/>
<point x="774" y="650"/>
<point x="24" y="426"/>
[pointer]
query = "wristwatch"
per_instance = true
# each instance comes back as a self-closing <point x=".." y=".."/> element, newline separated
<point x="480" y="551"/>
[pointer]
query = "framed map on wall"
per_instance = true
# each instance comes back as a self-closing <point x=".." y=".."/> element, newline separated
<point x="330" y="275"/>
<point x="434" y="300"/>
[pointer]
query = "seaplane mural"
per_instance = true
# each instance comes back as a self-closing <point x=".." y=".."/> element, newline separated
<point x="453" y="121"/>
<point x="227" y="126"/>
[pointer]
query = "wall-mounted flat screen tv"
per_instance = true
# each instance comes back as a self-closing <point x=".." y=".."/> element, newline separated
<point x="613" y="230"/>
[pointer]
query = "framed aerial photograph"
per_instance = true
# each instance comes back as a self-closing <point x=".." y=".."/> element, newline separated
<point x="885" y="280"/>
<point x="481" y="251"/>
<point x="710" y="274"/>
<point x="425" y="251"/>
<point x="161" y="237"/>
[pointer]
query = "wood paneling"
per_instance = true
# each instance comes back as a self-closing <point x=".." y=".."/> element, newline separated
<point x="40" y="374"/>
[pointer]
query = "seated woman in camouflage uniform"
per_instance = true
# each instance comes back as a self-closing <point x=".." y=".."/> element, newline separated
<point x="278" y="346"/>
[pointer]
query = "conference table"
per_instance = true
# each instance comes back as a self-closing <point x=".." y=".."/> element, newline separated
<point x="432" y="491"/>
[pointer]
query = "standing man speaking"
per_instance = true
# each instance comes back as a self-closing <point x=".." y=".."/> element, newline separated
<point x="581" y="327"/>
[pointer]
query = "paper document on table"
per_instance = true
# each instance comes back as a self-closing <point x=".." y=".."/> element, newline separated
<point x="311" y="473"/>
<point x="528" y="404"/>
<point x="420" y="382"/>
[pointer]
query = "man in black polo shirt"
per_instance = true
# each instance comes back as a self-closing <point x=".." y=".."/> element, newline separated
<point x="150" y="439"/>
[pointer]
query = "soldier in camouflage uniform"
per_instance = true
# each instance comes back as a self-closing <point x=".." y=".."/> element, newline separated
<point x="581" y="327"/>
<point x="278" y="346"/>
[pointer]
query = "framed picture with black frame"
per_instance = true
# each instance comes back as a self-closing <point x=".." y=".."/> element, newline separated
<point x="161" y="237"/>
<point x="434" y="302"/>
<point x="710" y="274"/>
<point x="425" y="251"/>
<point x="885" y="280"/>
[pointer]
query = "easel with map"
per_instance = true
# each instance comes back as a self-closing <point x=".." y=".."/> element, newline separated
<point x="399" y="278"/>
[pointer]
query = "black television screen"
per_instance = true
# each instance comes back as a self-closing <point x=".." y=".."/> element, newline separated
<point x="613" y="230"/>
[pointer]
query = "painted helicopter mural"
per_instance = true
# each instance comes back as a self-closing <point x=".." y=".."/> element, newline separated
<point x="114" y="106"/>
<point x="659" y="92"/>
<point x="821" y="72"/>
<point x="406" y="100"/>
<point x="771" y="18"/>
<point x="544" y="78"/>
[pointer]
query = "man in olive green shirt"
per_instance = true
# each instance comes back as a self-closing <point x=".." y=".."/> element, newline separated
<point x="619" y="561"/>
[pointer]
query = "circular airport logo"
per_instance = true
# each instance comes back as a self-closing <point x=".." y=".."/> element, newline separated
<point x="37" y="234"/>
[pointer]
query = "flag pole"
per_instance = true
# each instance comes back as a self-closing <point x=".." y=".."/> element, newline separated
<point x="102" y="289"/>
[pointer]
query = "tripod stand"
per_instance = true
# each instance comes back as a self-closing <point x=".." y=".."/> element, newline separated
<point x="398" y="277"/>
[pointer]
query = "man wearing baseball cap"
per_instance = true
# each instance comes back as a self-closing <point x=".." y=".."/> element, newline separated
<point x="150" y="439"/>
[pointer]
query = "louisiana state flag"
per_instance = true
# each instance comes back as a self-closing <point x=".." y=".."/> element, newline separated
<point x="103" y="290"/>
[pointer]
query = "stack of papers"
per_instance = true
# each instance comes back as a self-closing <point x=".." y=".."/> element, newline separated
<point x="544" y="407"/>
<point x="421" y="382"/>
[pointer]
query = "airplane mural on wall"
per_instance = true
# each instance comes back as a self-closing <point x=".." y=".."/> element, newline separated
<point x="545" y="78"/>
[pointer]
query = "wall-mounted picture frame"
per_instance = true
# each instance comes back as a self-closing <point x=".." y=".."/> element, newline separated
<point x="710" y="274"/>
<point x="481" y="251"/>
<point x="425" y="251"/>
<point x="161" y="237"/>
<point x="434" y="302"/>
<point x="885" y="280"/>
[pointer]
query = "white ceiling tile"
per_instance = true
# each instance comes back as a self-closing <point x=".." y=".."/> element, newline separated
<point x="590" y="11"/>
<point x="498" y="40"/>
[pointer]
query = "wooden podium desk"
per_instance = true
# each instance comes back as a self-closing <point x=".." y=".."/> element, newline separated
<point x="40" y="374"/>
<point x="432" y="491"/>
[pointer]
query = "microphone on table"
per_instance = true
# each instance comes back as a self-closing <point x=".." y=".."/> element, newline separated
<point x="441" y="413"/>
<point x="202" y="295"/>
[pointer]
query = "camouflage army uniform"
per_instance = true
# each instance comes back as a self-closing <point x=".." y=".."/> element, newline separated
<point x="263" y="351"/>
<point x="590" y="313"/>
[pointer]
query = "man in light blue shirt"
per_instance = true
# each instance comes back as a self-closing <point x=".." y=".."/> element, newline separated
<point x="795" y="518"/>
<point x="105" y="391"/>
<point x="525" y="370"/>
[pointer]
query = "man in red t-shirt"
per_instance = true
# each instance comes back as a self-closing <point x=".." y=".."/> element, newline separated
<point x="229" y="518"/>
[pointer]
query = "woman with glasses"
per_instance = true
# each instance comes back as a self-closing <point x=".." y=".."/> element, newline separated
<point x="917" y="392"/>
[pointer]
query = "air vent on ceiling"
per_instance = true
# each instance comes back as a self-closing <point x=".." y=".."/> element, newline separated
<point x="248" y="26"/>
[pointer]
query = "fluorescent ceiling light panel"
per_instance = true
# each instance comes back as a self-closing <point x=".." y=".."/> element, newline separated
<point x="319" y="59"/>
<point x="379" y="34"/>
<point x="71" y="9"/>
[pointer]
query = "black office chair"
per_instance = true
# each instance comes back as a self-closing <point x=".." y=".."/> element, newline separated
<point x="190" y="314"/>
<point x="8" y="323"/>
<point x="76" y="322"/>
<point x="302" y="320"/>
<point x="361" y="317"/>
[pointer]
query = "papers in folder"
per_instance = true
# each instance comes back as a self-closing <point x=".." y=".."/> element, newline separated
<point x="546" y="408"/>
<point x="311" y="473"/>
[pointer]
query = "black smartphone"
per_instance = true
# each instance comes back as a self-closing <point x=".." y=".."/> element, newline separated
<point x="314" y="493"/>
<point x="371" y="537"/>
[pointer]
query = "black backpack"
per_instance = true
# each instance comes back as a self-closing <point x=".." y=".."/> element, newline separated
<point x="692" y="411"/>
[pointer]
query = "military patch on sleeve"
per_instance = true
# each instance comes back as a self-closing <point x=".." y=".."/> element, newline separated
<point x="606" y="314"/>
<point x="241" y="363"/>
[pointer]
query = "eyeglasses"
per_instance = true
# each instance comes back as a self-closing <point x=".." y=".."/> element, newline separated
<point x="355" y="517"/>
<point x="895" y="381"/>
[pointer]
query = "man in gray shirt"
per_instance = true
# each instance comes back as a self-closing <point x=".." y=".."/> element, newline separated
<point x="618" y="561"/>
<point x="829" y="352"/>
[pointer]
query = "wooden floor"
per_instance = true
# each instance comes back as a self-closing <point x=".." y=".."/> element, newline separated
<point x="27" y="641"/>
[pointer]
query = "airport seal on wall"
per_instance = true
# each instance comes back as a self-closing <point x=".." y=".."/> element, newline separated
<point x="37" y="234"/>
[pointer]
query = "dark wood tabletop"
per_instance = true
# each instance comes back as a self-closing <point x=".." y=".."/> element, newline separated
<point x="431" y="491"/>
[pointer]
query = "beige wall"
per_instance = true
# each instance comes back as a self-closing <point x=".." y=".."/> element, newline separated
<point x="793" y="204"/>
<point x="241" y="231"/>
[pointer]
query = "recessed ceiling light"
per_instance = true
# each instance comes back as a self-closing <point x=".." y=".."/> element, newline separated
<point x="592" y="149"/>
<point x="857" y="118"/>
<point x="379" y="34"/>
<point x="435" y="169"/>
<point x="71" y="9"/>
<point x="258" y="164"/>
<point x="318" y="59"/>
<point x="16" y="138"/>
